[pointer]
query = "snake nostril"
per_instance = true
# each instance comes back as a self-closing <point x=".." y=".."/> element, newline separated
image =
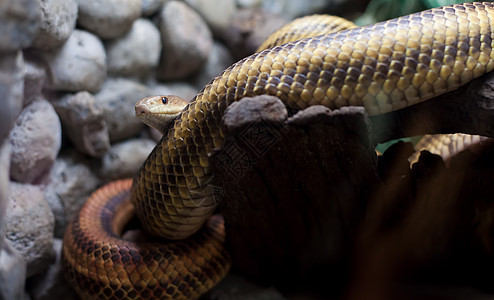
<point x="141" y="109"/>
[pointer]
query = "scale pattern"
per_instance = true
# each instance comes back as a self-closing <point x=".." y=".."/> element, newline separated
<point x="446" y="145"/>
<point x="383" y="67"/>
<point x="101" y="265"/>
<point x="304" y="27"/>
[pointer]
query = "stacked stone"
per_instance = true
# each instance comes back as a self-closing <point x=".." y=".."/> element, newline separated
<point x="70" y="74"/>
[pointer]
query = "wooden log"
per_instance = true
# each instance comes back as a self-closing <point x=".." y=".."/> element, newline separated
<point x="292" y="188"/>
<point x="469" y="109"/>
<point x="294" y="191"/>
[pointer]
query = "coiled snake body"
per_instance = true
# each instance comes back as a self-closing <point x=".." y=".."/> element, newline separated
<point x="383" y="67"/>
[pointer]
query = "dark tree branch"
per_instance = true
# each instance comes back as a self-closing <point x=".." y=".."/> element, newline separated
<point x="470" y="109"/>
<point x="293" y="187"/>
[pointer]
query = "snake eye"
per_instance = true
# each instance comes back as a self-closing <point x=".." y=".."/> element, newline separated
<point x="164" y="100"/>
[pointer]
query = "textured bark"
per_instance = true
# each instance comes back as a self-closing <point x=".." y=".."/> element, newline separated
<point x="470" y="109"/>
<point x="292" y="188"/>
<point x="305" y="195"/>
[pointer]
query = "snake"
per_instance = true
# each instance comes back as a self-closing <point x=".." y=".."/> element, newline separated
<point x="449" y="145"/>
<point x="159" y="111"/>
<point x="383" y="67"/>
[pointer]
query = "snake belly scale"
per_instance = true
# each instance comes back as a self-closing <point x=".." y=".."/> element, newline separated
<point x="383" y="67"/>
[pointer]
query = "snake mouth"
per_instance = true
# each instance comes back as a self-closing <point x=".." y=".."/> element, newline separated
<point x="141" y="110"/>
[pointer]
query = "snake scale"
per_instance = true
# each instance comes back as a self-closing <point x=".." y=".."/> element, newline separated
<point x="449" y="145"/>
<point x="383" y="67"/>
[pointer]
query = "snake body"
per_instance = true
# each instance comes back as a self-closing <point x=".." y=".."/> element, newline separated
<point x="305" y="27"/>
<point x="383" y="67"/>
<point x="449" y="145"/>
<point x="101" y="265"/>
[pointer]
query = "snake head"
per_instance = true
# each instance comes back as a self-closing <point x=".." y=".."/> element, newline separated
<point x="160" y="110"/>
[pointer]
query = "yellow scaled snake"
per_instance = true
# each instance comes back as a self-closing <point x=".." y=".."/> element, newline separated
<point x="383" y="67"/>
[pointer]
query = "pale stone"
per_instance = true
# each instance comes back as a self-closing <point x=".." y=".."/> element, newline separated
<point x="11" y="89"/>
<point x="249" y="3"/>
<point x="150" y="7"/>
<point x="217" y="13"/>
<point x="58" y="18"/>
<point x="219" y="59"/>
<point x="29" y="226"/>
<point x="124" y="159"/>
<point x="12" y="272"/>
<point x="57" y="208"/>
<point x="295" y="8"/>
<point x="72" y="180"/>
<point x="117" y="98"/>
<point x="83" y="122"/>
<point x="110" y="18"/>
<point x="79" y="65"/>
<point x="249" y="28"/>
<point x="35" y="78"/>
<point x="187" y="41"/>
<point x="4" y="184"/>
<point x="136" y="52"/>
<point x="35" y="141"/>
<point x="19" y="21"/>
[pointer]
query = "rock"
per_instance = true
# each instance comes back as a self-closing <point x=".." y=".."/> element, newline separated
<point x="118" y="97"/>
<point x="4" y="184"/>
<point x="150" y="7"/>
<point x="136" y="52"/>
<point x="58" y="18"/>
<point x="187" y="41"/>
<point x="249" y="28"/>
<point x="72" y="180"/>
<point x="80" y="64"/>
<point x="293" y="8"/>
<point x="29" y="226"/>
<point x="12" y="86"/>
<point x="219" y="59"/>
<point x="249" y="3"/>
<point x="19" y="21"/>
<point x="108" y="19"/>
<point x="124" y="159"/>
<point x="83" y="122"/>
<point x="57" y="208"/>
<point x="35" y="141"/>
<point x="35" y="78"/>
<point x="12" y="272"/>
<point x="51" y="284"/>
<point x="217" y="13"/>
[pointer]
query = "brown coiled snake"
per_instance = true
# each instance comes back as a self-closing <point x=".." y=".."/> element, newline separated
<point x="383" y="67"/>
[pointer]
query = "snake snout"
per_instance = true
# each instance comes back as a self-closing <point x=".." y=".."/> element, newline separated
<point x="141" y="109"/>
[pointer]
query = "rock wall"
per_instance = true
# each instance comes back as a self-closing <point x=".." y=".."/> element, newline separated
<point x="70" y="74"/>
